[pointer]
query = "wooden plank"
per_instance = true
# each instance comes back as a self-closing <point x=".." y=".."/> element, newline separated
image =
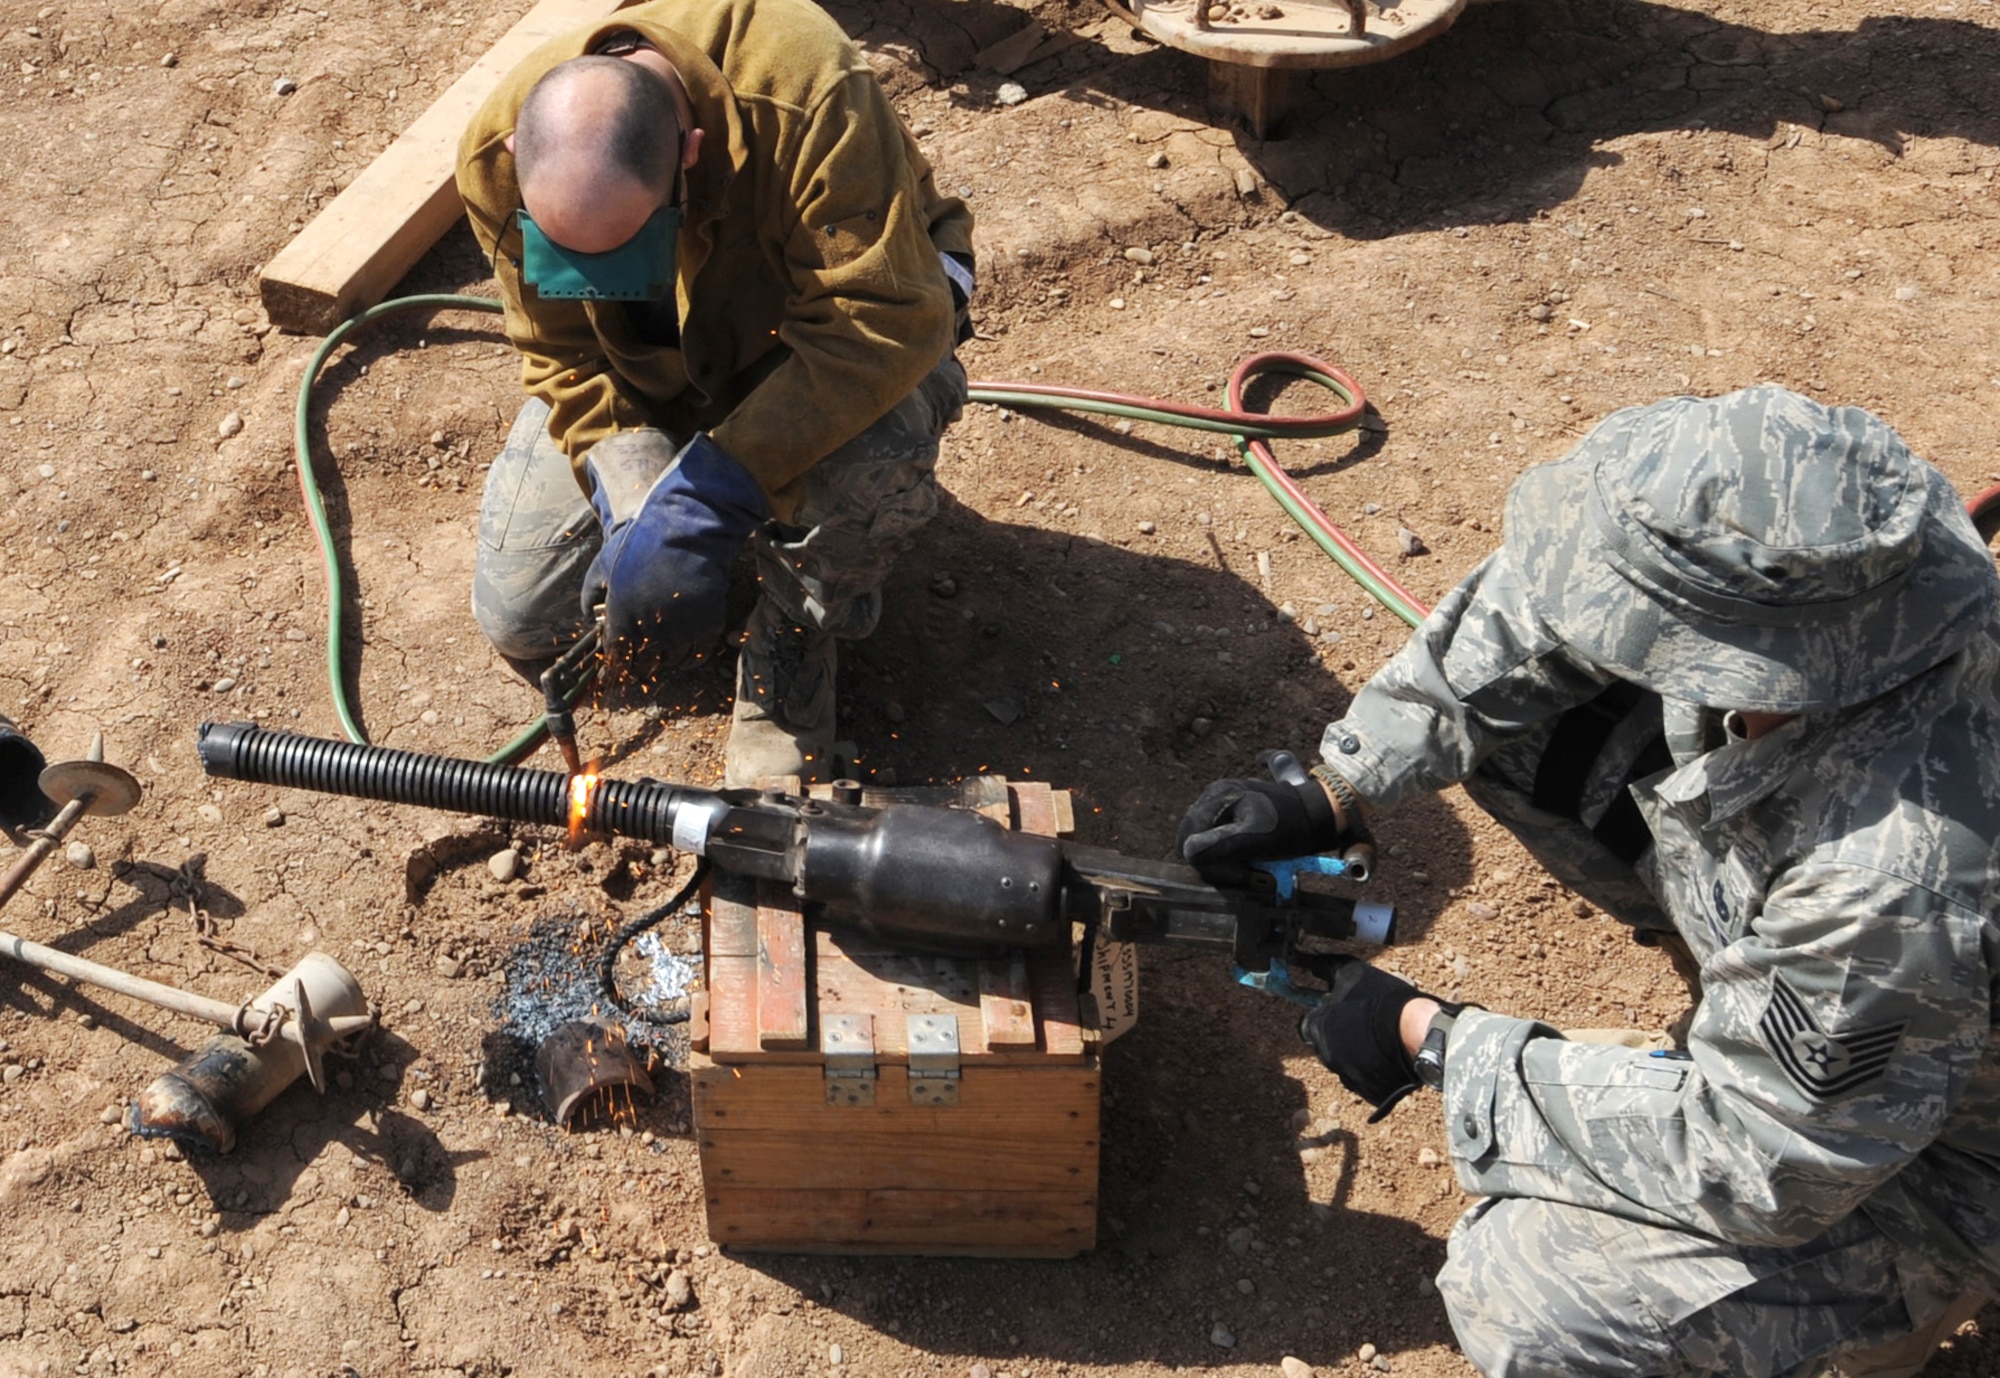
<point x="781" y="969"/>
<point x="981" y="1224"/>
<point x="1065" y="813"/>
<point x="374" y="232"/>
<point x="875" y="1158"/>
<point x="1039" y="1101"/>
<point x="1012" y="51"/>
<point x="1006" y="1003"/>
<point x="1054" y="986"/>
<point x="1049" y="47"/>
<point x="1034" y="807"/>
<point x="731" y="917"/>
<point x="732" y="1005"/>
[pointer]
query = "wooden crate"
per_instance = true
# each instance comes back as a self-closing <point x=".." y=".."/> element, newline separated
<point x="821" y="1132"/>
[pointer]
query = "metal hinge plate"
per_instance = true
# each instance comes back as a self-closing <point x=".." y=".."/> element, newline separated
<point x="934" y="1059"/>
<point x="848" y="1043"/>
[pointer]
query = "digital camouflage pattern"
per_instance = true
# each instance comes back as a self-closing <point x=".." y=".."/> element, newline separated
<point x="1636" y="548"/>
<point x="1835" y="878"/>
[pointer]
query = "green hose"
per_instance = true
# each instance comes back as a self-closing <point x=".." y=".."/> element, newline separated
<point x="1251" y="431"/>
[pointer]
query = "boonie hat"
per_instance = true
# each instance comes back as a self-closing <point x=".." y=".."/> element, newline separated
<point x="1755" y="551"/>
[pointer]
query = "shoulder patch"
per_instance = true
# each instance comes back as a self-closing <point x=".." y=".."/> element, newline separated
<point x="1821" y="1064"/>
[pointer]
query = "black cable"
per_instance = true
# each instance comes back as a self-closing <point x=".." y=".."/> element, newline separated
<point x="607" y="977"/>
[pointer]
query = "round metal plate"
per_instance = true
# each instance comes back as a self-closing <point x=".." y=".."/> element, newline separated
<point x="1290" y="33"/>
<point x="113" y="788"/>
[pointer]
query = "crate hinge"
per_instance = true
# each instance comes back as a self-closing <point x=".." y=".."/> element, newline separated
<point x="848" y="1043"/>
<point x="934" y="1059"/>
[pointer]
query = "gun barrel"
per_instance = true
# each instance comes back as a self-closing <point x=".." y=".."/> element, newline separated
<point x="645" y="809"/>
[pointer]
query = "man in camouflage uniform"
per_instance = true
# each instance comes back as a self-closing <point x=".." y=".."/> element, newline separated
<point x="1770" y="630"/>
<point x="736" y="291"/>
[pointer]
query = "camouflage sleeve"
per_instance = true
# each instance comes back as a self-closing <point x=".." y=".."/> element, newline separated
<point x="1831" y="1042"/>
<point x="1482" y="668"/>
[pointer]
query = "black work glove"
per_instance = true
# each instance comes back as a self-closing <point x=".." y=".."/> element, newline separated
<point x="1237" y="821"/>
<point x="1357" y="1030"/>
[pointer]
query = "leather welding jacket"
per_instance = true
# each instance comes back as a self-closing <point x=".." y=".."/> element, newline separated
<point x="1839" y="882"/>
<point x="810" y="293"/>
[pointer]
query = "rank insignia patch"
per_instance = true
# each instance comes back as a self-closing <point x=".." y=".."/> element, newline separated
<point x="1822" y="1064"/>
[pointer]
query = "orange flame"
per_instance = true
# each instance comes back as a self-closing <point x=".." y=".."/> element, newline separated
<point x="582" y="789"/>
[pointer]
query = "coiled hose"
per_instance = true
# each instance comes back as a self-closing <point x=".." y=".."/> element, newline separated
<point x="1252" y="432"/>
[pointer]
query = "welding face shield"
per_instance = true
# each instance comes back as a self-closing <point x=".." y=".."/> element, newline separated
<point x="640" y="269"/>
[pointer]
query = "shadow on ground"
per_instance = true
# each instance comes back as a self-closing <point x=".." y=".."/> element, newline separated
<point x="1503" y="116"/>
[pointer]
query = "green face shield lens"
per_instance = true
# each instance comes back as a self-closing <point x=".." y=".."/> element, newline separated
<point x="640" y="269"/>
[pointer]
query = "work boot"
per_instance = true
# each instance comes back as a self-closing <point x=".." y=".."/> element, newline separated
<point x="783" y="721"/>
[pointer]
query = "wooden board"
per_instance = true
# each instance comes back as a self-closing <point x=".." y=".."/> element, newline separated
<point x="1010" y="1169"/>
<point x="374" y="232"/>
<point x="781" y="970"/>
<point x="978" y="1224"/>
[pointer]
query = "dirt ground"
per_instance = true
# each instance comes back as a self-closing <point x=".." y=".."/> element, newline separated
<point x="1556" y="210"/>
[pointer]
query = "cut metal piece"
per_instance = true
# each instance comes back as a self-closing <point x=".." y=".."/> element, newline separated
<point x="847" y="1042"/>
<point x="934" y="1059"/>
<point x="204" y="1102"/>
<point x="582" y="1058"/>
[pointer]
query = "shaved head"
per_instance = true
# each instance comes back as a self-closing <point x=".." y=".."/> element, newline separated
<point x="596" y="147"/>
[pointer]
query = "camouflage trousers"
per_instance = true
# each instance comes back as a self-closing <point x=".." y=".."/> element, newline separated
<point x="854" y="513"/>
<point x="1539" y="1289"/>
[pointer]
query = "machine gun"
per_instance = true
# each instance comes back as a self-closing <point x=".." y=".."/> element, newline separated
<point x="917" y="876"/>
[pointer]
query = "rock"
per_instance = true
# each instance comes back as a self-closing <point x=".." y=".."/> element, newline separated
<point x="894" y="711"/>
<point x="979" y="1371"/>
<point x="1239" y="1240"/>
<point x="1246" y="1287"/>
<point x="1480" y="910"/>
<point x="1147" y="528"/>
<point x="79" y="855"/>
<point x="1010" y="93"/>
<point x="1427" y="1157"/>
<point x="834" y="1354"/>
<point x="680" y="1292"/>
<point x="225" y="684"/>
<point x="1221" y="1337"/>
<point x="1380" y="1363"/>
<point x="1365" y="1353"/>
<point x="283" y="86"/>
<point x="1136" y="254"/>
<point x="110" y="1114"/>
<point x="1413" y="544"/>
<point x="170" y="60"/>
<point x="209" y="813"/>
<point x="1294" y="1367"/>
<point x="1003" y="711"/>
<point x="448" y="966"/>
<point x="274" y="817"/>
<point x="341" y="1218"/>
<point x="11" y="1073"/>
<point x="230" y="425"/>
<point x="1158" y="159"/>
<point x="503" y="866"/>
<point x="944" y="586"/>
<point x="420" y="1098"/>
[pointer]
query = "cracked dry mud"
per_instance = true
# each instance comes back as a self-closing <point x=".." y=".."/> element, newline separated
<point x="1558" y="209"/>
